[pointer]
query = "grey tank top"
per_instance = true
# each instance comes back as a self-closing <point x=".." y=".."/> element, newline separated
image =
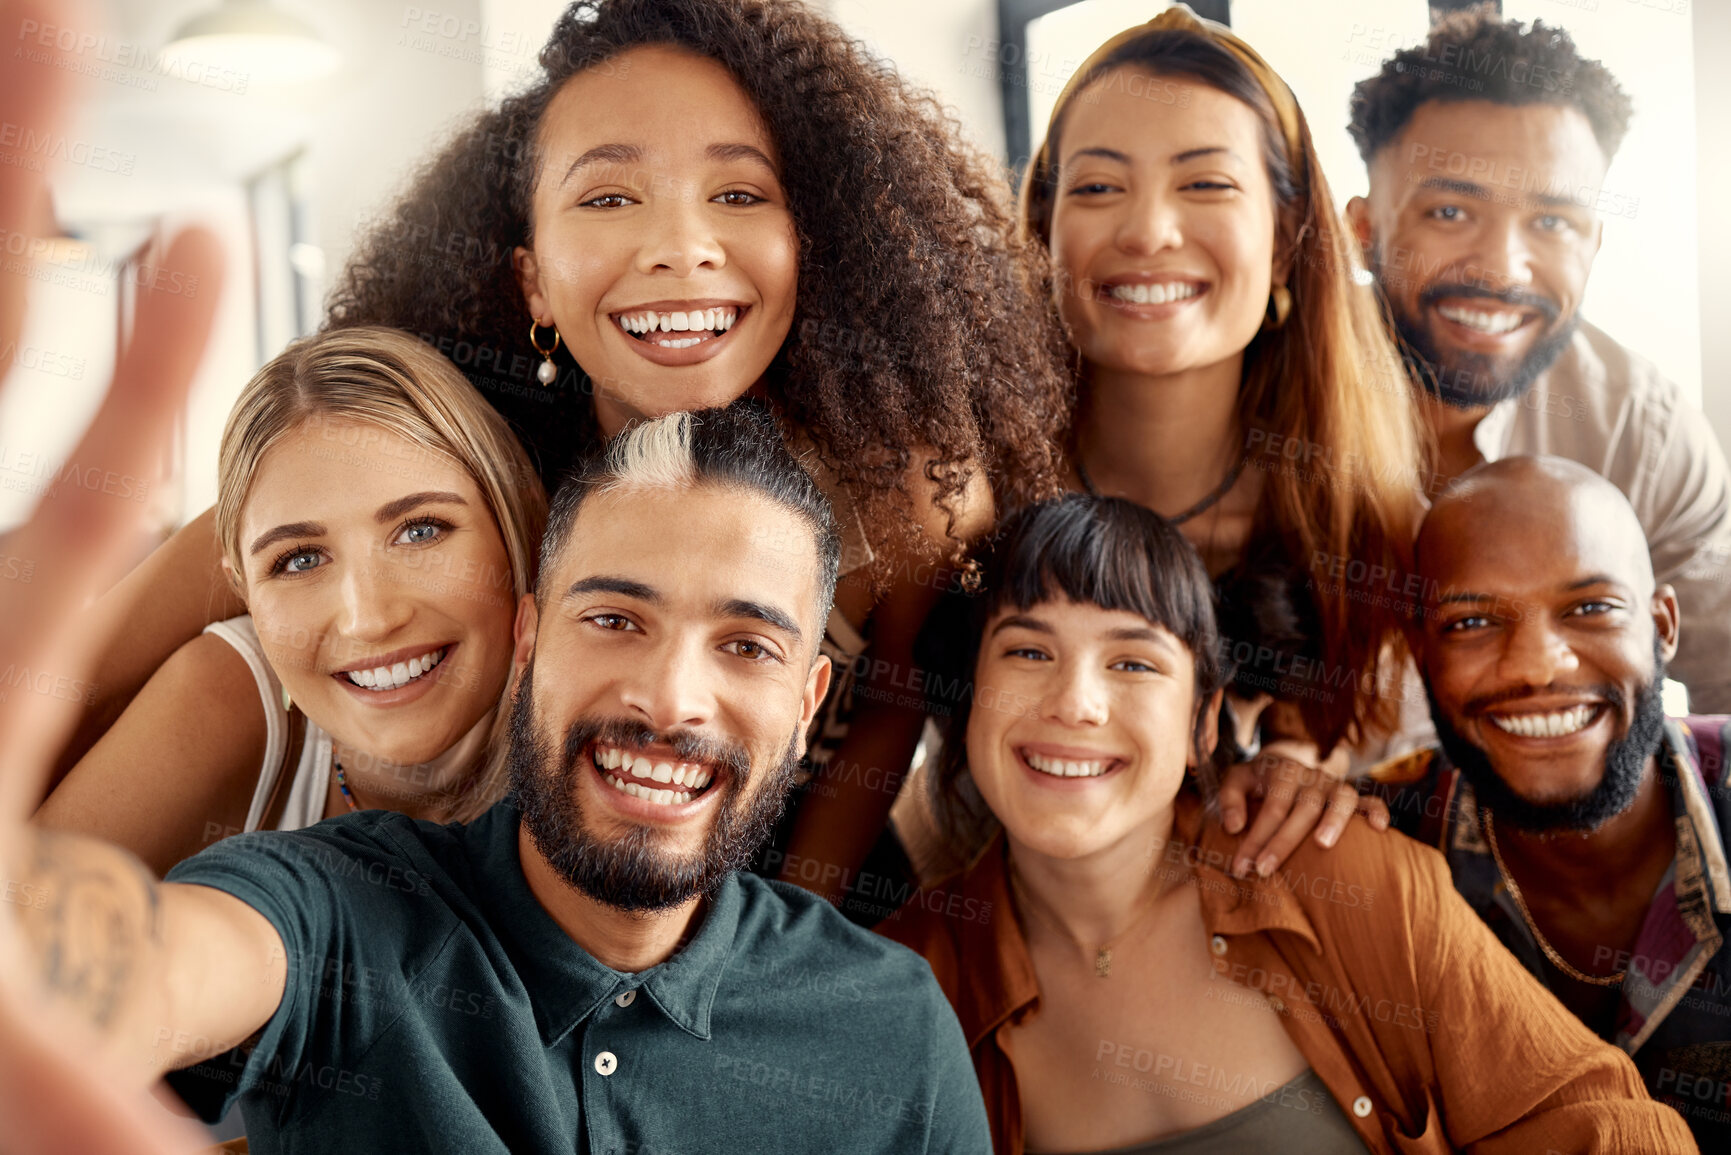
<point x="1300" y="1118"/>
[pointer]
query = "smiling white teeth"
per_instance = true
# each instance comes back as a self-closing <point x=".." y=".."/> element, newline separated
<point x="1477" y="319"/>
<point x="711" y="321"/>
<point x="640" y="778"/>
<point x="1062" y="768"/>
<point x="1556" y="724"/>
<point x="398" y="674"/>
<point x="1140" y="294"/>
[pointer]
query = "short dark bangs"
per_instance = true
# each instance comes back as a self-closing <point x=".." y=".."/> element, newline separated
<point x="1101" y="551"/>
<point x="1111" y="553"/>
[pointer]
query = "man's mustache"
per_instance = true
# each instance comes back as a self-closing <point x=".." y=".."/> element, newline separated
<point x="688" y="745"/>
<point x="1518" y="298"/>
<point x="1477" y="707"/>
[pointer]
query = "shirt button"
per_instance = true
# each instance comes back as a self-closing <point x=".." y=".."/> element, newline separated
<point x="1278" y="1006"/>
<point x="1217" y="945"/>
<point x="1361" y="1106"/>
<point x="605" y="1063"/>
<point x="626" y="999"/>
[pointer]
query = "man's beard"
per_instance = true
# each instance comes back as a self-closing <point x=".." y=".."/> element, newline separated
<point x="630" y="872"/>
<point x="1625" y="765"/>
<point x="1460" y="379"/>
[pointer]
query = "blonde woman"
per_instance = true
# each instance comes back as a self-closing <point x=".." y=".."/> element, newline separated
<point x="381" y="524"/>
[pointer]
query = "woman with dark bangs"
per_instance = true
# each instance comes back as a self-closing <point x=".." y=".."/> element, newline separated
<point x="1233" y="378"/>
<point x="1120" y="991"/>
<point x="699" y="199"/>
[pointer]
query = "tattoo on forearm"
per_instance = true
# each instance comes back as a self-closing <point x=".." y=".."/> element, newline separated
<point x="97" y="923"/>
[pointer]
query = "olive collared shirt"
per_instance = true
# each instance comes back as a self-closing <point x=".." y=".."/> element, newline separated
<point x="432" y="1004"/>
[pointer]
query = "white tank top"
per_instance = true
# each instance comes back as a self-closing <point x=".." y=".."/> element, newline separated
<point x="312" y="772"/>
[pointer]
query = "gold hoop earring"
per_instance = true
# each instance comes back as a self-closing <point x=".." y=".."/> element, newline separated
<point x="970" y="578"/>
<point x="1279" y="307"/>
<point x="547" y="371"/>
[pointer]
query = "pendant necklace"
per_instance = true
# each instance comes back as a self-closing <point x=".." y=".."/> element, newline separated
<point x="1102" y="952"/>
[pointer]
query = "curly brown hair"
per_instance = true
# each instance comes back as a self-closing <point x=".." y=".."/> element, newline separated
<point x="920" y="331"/>
<point x="1477" y="55"/>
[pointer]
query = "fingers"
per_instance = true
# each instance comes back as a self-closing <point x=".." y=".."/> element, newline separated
<point x="1282" y="784"/>
<point x="1237" y="786"/>
<point x="1342" y="804"/>
<point x="1308" y="793"/>
<point x="1375" y="811"/>
<point x="86" y="531"/>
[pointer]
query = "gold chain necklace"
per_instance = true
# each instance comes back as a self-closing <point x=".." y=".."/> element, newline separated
<point x="1615" y="980"/>
<point x="1103" y="952"/>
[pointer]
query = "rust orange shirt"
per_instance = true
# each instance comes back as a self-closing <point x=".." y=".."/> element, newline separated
<point x="1427" y="1032"/>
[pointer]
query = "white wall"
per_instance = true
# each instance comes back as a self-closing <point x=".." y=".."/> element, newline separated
<point x="1713" y="177"/>
<point x="941" y="45"/>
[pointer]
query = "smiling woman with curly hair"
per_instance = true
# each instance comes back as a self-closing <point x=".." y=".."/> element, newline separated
<point x="913" y="336"/>
<point x="695" y="200"/>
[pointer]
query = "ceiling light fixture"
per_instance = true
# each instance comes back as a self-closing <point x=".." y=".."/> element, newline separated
<point x="254" y="41"/>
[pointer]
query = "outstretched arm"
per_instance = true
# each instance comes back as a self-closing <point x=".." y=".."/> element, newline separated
<point x="164" y="974"/>
<point x="58" y="1090"/>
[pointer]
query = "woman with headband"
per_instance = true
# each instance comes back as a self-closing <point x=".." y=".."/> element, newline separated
<point x="1232" y="376"/>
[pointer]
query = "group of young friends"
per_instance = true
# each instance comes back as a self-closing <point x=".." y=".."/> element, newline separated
<point x="1160" y="543"/>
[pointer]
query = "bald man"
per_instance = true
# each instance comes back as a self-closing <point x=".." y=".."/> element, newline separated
<point x="1582" y="825"/>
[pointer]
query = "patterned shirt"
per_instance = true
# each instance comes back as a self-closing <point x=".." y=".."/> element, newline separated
<point x="1674" y="1016"/>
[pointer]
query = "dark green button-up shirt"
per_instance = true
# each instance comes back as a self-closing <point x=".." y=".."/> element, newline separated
<point x="432" y="1004"/>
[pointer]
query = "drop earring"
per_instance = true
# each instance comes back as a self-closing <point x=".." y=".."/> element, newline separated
<point x="1279" y="307"/>
<point x="547" y="371"/>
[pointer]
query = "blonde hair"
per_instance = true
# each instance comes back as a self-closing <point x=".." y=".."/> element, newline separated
<point x="390" y="379"/>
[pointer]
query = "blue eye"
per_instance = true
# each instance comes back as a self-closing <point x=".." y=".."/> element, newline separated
<point x="423" y="531"/>
<point x="1447" y="213"/>
<point x="298" y="561"/>
<point x="1027" y="652"/>
<point x="1132" y="666"/>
